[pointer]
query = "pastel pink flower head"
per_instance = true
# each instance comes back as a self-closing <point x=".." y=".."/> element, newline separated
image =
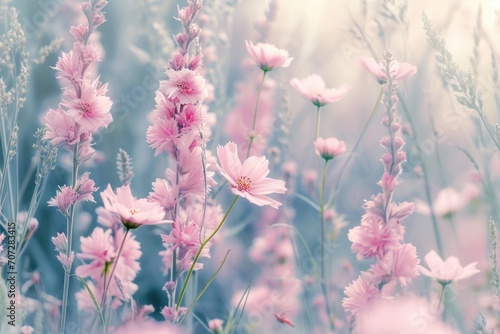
<point x="448" y="271"/>
<point x="91" y="110"/>
<point x="329" y="148"/>
<point x="268" y="56"/>
<point x="64" y="199"/>
<point x="400" y="70"/>
<point x="184" y="86"/>
<point x="313" y="88"/>
<point x="61" y="129"/>
<point x="216" y="325"/>
<point x="249" y="179"/>
<point x="133" y="212"/>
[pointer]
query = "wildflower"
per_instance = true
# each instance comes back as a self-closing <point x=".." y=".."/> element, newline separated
<point x="313" y="88"/>
<point x="248" y="179"/>
<point x="65" y="260"/>
<point x="400" y="264"/>
<point x="164" y="194"/>
<point x="133" y="212"/>
<point x="215" y="325"/>
<point x="400" y="70"/>
<point x="162" y="135"/>
<point x="183" y="237"/>
<point x="329" y="148"/>
<point x="268" y="56"/>
<point x="92" y="108"/>
<point x="184" y="86"/>
<point x="360" y="293"/>
<point x="61" y="242"/>
<point x="70" y="67"/>
<point x="448" y="271"/>
<point x="100" y="250"/>
<point x="62" y="129"/>
<point x="171" y="314"/>
<point x="64" y="199"/>
<point x="84" y="188"/>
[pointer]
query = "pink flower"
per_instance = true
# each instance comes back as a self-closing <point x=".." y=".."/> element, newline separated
<point x="64" y="199"/>
<point x="329" y="148"/>
<point x="164" y="194"/>
<point x="360" y="293"/>
<point x="448" y="271"/>
<point x="92" y="108"/>
<point x="61" y="242"/>
<point x="373" y="237"/>
<point x="183" y="237"/>
<point x="313" y="88"/>
<point x="249" y="179"/>
<point x="216" y="325"/>
<point x="84" y="188"/>
<point x="133" y="212"/>
<point x="401" y="70"/>
<point x="268" y="56"/>
<point x="62" y="129"/>
<point x="400" y="264"/>
<point x="184" y="86"/>
<point x="100" y="250"/>
<point x="162" y="135"/>
<point x="70" y="67"/>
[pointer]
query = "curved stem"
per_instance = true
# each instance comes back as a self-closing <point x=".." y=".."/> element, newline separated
<point x="69" y="229"/>
<point x="252" y="135"/>
<point x="324" y="288"/>
<point x="202" y="246"/>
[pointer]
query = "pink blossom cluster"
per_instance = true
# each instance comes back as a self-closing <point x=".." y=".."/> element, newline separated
<point x="181" y="129"/>
<point x="380" y="234"/>
<point x="99" y="253"/>
<point x="84" y="107"/>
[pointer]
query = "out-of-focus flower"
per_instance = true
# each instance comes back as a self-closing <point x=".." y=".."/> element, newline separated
<point x="268" y="56"/>
<point x="148" y="327"/>
<point x="360" y="293"/>
<point x="248" y="179"/>
<point x="409" y="315"/>
<point x="329" y="148"/>
<point x="133" y="212"/>
<point x="164" y="194"/>
<point x="215" y="325"/>
<point x="448" y="271"/>
<point x="400" y="264"/>
<point x="184" y="86"/>
<point x="314" y="89"/>
<point x="449" y="201"/>
<point x="400" y="70"/>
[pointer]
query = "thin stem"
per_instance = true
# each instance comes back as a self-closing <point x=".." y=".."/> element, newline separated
<point x="324" y="288"/>
<point x="252" y="135"/>
<point x="202" y="246"/>
<point x="317" y="122"/>
<point x="358" y="141"/>
<point x="69" y="230"/>
<point x="441" y="296"/>
<point x="115" y="262"/>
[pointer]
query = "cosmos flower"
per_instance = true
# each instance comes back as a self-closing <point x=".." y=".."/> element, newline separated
<point x="448" y="271"/>
<point x="313" y="88"/>
<point x="402" y="70"/>
<point x="268" y="56"/>
<point x="248" y="179"/>
<point x="329" y="148"/>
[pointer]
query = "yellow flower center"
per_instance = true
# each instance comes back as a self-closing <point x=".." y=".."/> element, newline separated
<point x="244" y="183"/>
<point x="134" y="211"/>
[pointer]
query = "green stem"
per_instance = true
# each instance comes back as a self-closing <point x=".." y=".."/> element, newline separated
<point x="202" y="246"/>
<point x="324" y="288"/>
<point x="441" y="297"/>
<point x="69" y="229"/>
<point x="115" y="262"/>
<point x="252" y="135"/>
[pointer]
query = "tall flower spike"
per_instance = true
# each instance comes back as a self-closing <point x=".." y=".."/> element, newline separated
<point x="249" y="179"/>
